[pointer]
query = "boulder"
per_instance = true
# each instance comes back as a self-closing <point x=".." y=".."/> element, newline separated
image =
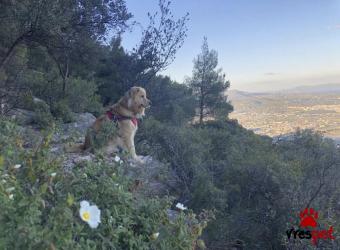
<point x="76" y="129"/>
<point x="21" y="116"/>
<point x="82" y="122"/>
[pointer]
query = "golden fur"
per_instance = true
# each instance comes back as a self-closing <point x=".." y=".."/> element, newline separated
<point x="131" y="105"/>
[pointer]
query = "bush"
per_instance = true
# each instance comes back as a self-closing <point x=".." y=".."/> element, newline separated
<point x="171" y="102"/>
<point x="39" y="205"/>
<point x="27" y="102"/>
<point x="62" y="111"/>
<point x="81" y="96"/>
<point x="42" y="117"/>
<point x="107" y="132"/>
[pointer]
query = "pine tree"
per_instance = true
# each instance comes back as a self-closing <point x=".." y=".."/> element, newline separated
<point x="209" y="85"/>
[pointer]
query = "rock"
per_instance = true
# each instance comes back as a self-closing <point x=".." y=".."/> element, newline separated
<point x="31" y="136"/>
<point x="76" y="129"/>
<point x="37" y="100"/>
<point x="172" y="214"/>
<point x="73" y="159"/>
<point x="151" y="174"/>
<point x="21" y="116"/>
<point x="82" y="123"/>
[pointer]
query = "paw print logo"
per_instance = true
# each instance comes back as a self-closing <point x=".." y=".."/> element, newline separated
<point x="308" y="218"/>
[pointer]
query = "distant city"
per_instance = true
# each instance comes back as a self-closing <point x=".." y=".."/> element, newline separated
<point x="280" y="113"/>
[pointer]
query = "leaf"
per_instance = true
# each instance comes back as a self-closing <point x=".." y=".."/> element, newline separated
<point x="70" y="199"/>
<point x="1" y="161"/>
<point x="43" y="188"/>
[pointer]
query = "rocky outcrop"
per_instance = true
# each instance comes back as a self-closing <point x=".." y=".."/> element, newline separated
<point x="82" y="123"/>
<point x="75" y="130"/>
<point x="150" y="176"/>
<point x="21" y="116"/>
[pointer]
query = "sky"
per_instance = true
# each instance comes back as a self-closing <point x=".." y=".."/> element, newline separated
<point x="262" y="45"/>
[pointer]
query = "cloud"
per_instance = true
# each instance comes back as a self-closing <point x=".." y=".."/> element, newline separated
<point x="334" y="27"/>
<point x="271" y="74"/>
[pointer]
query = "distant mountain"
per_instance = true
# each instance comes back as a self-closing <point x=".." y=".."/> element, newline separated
<point x="323" y="88"/>
<point x="239" y="95"/>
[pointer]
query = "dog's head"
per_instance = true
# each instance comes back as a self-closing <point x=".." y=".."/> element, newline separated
<point x="137" y="100"/>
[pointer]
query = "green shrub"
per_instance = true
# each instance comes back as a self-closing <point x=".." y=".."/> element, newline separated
<point x="183" y="147"/>
<point x="42" y="117"/>
<point x="100" y="138"/>
<point x="62" y="111"/>
<point x="40" y="204"/>
<point x="81" y="96"/>
<point x="27" y="102"/>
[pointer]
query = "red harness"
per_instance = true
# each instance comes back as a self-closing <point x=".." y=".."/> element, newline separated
<point x="117" y="118"/>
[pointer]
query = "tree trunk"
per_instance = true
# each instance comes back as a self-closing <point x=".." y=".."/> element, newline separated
<point x="201" y="107"/>
<point x="65" y="76"/>
<point x="10" y="50"/>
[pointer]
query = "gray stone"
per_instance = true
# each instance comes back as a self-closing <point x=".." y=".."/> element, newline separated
<point x="21" y="116"/>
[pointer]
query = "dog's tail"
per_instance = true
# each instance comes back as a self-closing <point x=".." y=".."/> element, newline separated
<point x="74" y="148"/>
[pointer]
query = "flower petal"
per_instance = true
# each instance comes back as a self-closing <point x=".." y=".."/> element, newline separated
<point x="84" y="204"/>
<point x="93" y="224"/>
<point x="117" y="158"/>
<point x="95" y="212"/>
<point x="95" y="216"/>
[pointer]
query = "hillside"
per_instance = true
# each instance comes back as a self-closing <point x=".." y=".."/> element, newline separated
<point x="176" y="175"/>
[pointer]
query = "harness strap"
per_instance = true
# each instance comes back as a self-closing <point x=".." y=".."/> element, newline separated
<point x="117" y="118"/>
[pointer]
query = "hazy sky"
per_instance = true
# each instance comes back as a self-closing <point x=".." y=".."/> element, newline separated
<point x="262" y="44"/>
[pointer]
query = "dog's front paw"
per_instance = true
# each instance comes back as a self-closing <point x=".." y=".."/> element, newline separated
<point x="138" y="159"/>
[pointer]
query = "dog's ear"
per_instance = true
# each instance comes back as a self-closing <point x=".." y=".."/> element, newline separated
<point x="128" y="94"/>
<point x="132" y="91"/>
<point x="125" y="101"/>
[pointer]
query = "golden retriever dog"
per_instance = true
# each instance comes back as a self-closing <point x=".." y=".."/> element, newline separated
<point x="125" y="113"/>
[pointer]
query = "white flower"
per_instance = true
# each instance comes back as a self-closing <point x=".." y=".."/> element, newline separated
<point x="180" y="206"/>
<point x="120" y="162"/>
<point x="117" y="158"/>
<point x="154" y="236"/>
<point x="8" y="190"/>
<point x="3" y="181"/>
<point x="11" y="196"/>
<point x="17" y="166"/>
<point x="53" y="174"/>
<point x="89" y="214"/>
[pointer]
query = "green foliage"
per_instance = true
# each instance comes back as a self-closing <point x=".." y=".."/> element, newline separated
<point x="209" y="85"/>
<point x="171" y="102"/>
<point x="40" y="205"/>
<point x="42" y="117"/>
<point x="81" y="96"/>
<point x="106" y="133"/>
<point x="254" y="185"/>
<point x="62" y="111"/>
